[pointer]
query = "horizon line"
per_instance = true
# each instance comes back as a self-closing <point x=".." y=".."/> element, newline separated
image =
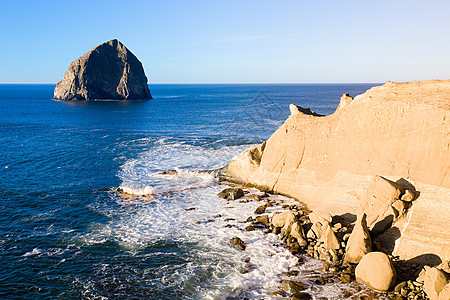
<point x="317" y="82"/>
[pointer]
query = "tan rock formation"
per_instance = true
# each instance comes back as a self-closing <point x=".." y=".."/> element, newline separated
<point x="359" y="242"/>
<point x="398" y="130"/>
<point x="376" y="271"/>
<point x="434" y="282"/>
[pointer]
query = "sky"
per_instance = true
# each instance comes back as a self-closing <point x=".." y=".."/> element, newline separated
<point x="254" y="41"/>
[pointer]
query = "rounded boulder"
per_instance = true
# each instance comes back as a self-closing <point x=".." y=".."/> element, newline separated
<point x="376" y="271"/>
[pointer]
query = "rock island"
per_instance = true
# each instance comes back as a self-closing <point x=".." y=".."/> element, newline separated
<point x="108" y="72"/>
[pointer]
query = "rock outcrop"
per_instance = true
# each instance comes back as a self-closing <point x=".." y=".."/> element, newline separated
<point x="109" y="71"/>
<point x="359" y="242"/>
<point x="400" y="131"/>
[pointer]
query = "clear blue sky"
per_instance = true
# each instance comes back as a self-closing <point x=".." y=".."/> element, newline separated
<point x="255" y="41"/>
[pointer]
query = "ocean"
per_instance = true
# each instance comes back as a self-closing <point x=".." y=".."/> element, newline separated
<point x="66" y="230"/>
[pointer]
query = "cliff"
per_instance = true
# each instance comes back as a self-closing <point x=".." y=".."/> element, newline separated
<point x="109" y="71"/>
<point x="400" y="131"/>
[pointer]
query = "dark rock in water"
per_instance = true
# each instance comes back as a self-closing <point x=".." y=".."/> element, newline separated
<point x="109" y="71"/>
<point x="169" y="172"/>
<point x="293" y="287"/>
<point x="301" y="296"/>
<point x="231" y="193"/>
<point x="249" y="228"/>
<point x="264" y="219"/>
<point x="237" y="243"/>
<point x="261" y="209"/>
<point x="345" y="278"/>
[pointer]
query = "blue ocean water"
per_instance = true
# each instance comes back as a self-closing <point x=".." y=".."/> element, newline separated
<point x="67" y="233"/>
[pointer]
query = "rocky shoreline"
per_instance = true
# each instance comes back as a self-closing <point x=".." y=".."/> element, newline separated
<point x="345" y="247"/>
<point x="375" y="174"/>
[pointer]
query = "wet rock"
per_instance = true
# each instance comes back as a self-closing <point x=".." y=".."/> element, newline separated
<point x="376" y="271"/>
<point x="291" y="273"/>
<point x="237" y="243"/>
<point x="319" y="280"/>
<point x="264" y="219"/>
<point x="169" y="172"/>
<point x="279" y="293"/>
<point x="293" y="287"/>
<point x="231" y="193"/>
<point x="253" y="197"/>
<point x="249" y="228"/>
<point x="345" y="278"/>
<point x="301" y="296"/>
<point x="359" y="242"/>
<point x="261" y="209"/>
<point x="247" y="268"/>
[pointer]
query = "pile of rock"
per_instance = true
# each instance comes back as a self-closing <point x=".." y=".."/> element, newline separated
<point x="347" y="248"/>
<point x="432" y="283"/>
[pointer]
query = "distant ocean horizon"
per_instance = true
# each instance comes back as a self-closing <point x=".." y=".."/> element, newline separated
<point x="66" y="230"/>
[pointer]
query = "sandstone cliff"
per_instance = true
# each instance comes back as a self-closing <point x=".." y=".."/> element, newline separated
<point x="399" y="130"/>
<point x="109" y="71"/>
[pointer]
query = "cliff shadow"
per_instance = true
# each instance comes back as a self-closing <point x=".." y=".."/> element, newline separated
<point x="385" y="242"/>
<point x="410" y="269"/>
<point x="345" y="219"/>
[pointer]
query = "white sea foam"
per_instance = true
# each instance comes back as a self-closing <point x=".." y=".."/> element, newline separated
<point x="185" y="211"/>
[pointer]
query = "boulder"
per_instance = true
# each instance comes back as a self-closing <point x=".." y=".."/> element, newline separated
<point x="320" y="221"/>
<point x="359" y="242"/>
<point x="298" y="233"/>
<point x="292" y="286"/>
<point x="261" y="209"/>
<point x="408" y="196"/>
<point x="264" y="219"/>
<point x="320" y="217"/>
<point x="434" y="282"/>
<point x="376" y="271"/>
<point x="231" y="193"/>
<point x="381" y="194"/>
<point x="237" y="243"/>
<point x="329" y="239"/>
<point x="279" y="220"/>
<point x="301" y="296"/>
<point x="109" y="71"/>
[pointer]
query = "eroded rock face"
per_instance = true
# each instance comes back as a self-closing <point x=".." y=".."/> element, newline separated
<point x="397" y="130"/>
<point x="109" y="71"/>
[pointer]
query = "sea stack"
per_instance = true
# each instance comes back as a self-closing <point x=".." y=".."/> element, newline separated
<point x="108" y="72"/>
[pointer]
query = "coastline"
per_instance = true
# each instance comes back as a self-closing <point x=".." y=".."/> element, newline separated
<point x="329" y="164"/>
